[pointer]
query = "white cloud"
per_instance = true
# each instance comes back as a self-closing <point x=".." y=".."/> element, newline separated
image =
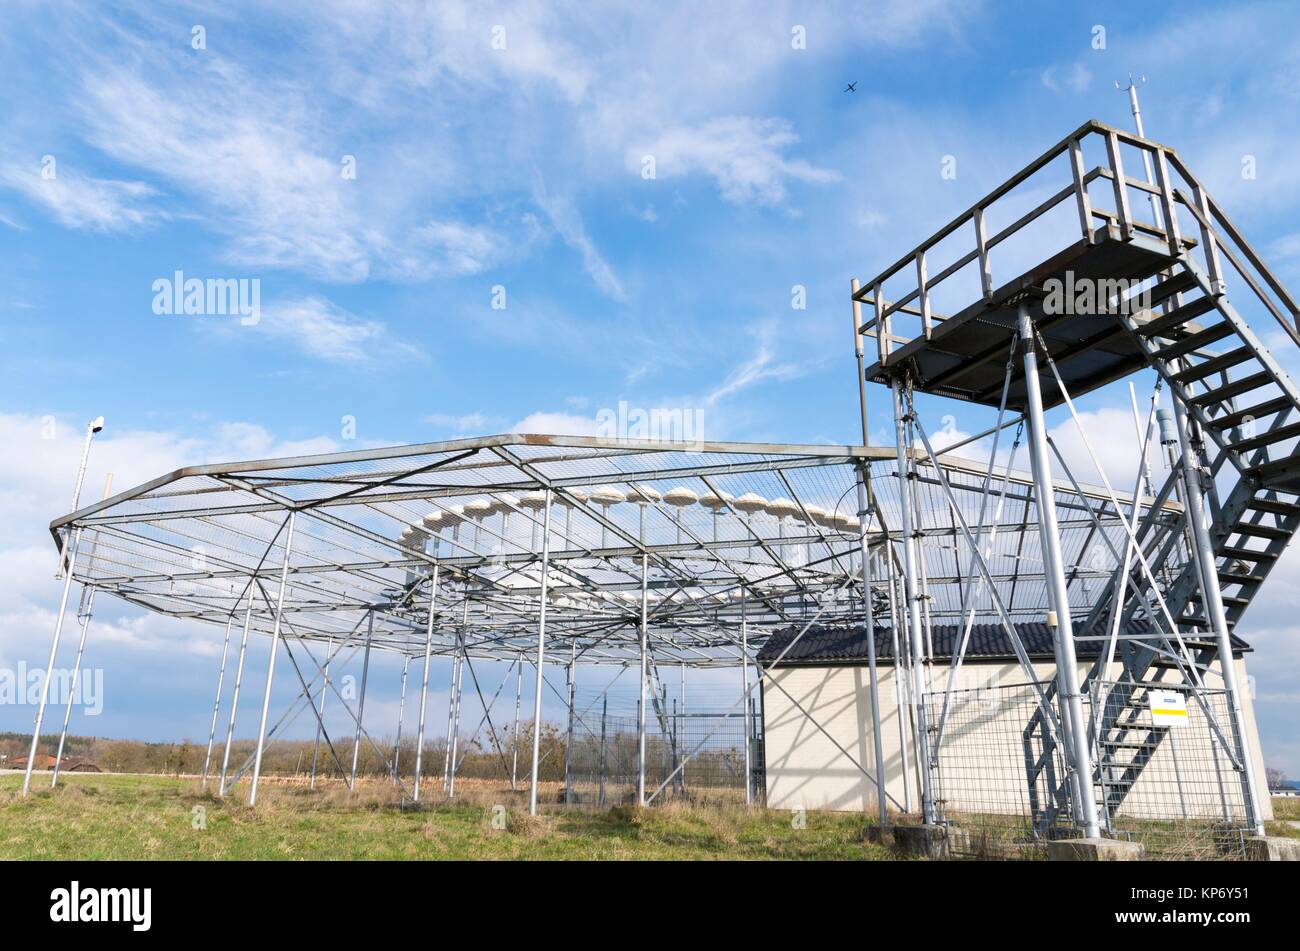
<point x="762" y="366"/>
<point x="557" y="424"/>
<point x="564" y="215"/>
<point x="322" y="329"/>
<point x="745" y="155"/>
<point x="78" y="201"/>
<point x="1074" y="78"/>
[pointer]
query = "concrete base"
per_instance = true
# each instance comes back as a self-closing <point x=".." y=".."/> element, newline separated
<point x="1272" y="848"/>
<point x="879" y="835"/>
<point x="1093" y="850"/>
<point x="924" y="841"/>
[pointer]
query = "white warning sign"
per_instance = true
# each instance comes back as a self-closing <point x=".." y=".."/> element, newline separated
<point x="1168" y="708"/>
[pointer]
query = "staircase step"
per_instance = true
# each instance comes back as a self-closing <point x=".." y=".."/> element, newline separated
<point x="1174" y="284"/>
<point x="1228" y="577"/>
<point x="1244" y="554"/>
<point x="1275" y="506"/>
<point x="1162" y="325"/>
<point x="1262" y="531"/>
<point x="1214" y="365"/>
<point x="1196" y="341"/>
<point x="1257" y="412"/>
<point x="1236" y="387"/>
<point x="1267" y="439"/>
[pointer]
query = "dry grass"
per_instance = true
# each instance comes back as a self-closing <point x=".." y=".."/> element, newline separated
<point x="132" y="817"/>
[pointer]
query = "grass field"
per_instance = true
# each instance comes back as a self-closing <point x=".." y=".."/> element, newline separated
<point x="104" y="816"/>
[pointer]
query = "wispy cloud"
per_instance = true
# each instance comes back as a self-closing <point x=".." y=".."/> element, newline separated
<point x="745" y="155"/>
<point x="762" y="366"/>
<point x="83" y="202"/>
<point x="324" y="330"/>
<point x="566" y="219"/>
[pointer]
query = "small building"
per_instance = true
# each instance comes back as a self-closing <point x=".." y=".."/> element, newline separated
<point x="817" y="726"/>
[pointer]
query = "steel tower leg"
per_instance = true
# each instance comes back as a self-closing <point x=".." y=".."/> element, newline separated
<point x="912" y="595"/>
<point x="401" y="714"/>
<point x="234" y="699"/>
<point x="541" y="653"/>
<point x="519" y="693"/>
<point x="76" y="679"/>
<point x="270" y="666"/>
<point x="1067" y="666"/>
<point x="1212" y="598"/>
<point x="361" y="704"/>
<point x="568" y="742"/>
<point x="54" y="651"/>
<point x="320" y="713"/>
<point x="744" y="695"/>
<point x="216" y="704"/>
<point x="640" y="724"/>
<point x="869" y="624"/>
<point x="424" y="683"/>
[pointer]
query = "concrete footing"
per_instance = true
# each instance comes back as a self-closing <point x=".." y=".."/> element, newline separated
<point x="923" y="841"/>
<point x="879" y="835"/>
<point x="1093" y="850"/>
<point x="1272" y="848"/>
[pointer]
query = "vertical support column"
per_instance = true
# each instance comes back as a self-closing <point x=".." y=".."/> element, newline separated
<point x="270" y="665"/>
<point x="451" y="714"/>
<point x="234" y="699"/>
<point x="460" y="699"/>
<point x="1212" y="598"/>
<point x="1067" y="666"/>
<point x="568" y="742"/>
<point x="913" y="598"/>
<point x="541" y="654"/>
<point x="89" y="598"/>
<point x="744" y="694"/>
<point x="424" y="683"/>
<point x="519" y="692"/>
<point x="361" y="704"/>
<point x="54" y="651"/>
<point x="604" y="711"/>
<point x="320" y="713"/>
<point x="216" y="704"/>
<point x="640" y="713"/>
<point x="401" y="714"/>
<point x="869" y="623"/>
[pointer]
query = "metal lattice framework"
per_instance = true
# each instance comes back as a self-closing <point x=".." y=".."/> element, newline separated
<point x="771" y="531"/>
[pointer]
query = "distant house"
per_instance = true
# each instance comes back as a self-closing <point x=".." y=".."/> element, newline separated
<point x="1284" y="792"/>
<point x="46" y="761"/>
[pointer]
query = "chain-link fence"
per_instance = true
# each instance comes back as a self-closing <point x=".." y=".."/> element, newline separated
<point x="604" y="756"/>
<point x="1163" y="774"/>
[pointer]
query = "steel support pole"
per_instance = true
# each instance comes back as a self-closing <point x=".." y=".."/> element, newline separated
<point x="604" y="711"/>
<point x="234" y="699"/>
<point x="76" y="679"/>
<point x="869" y="623"/>
<point x="913" y="606"/>
<point x="270" y="666"/>
<point x="568" y="740"/>
<point x="54" y="651"/>
<point x="1212" y="599"/>
<point x="361" y="704"/>
<point x="451" y="714"/>
<point x="1067" y="666"/>
<point x="541" y="655"/>
<point x="519" y="694"/>
<point x="424" y="683"/>
<point x="320" y="713"/>
<point x="401" y="714"/>
<point x="640" y="725"/>
<point x="460" y="700"/>
<point x="216" y="704"/>
<point x="744" y="694"/>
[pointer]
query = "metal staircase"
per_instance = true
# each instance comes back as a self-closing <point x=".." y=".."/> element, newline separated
<point x="1170" y="310"/>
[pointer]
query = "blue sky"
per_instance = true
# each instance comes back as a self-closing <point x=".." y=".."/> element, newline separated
<point x="521" y="168"/>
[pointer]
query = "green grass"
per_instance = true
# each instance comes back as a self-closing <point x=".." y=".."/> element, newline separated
<point x="146" y="817"/>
